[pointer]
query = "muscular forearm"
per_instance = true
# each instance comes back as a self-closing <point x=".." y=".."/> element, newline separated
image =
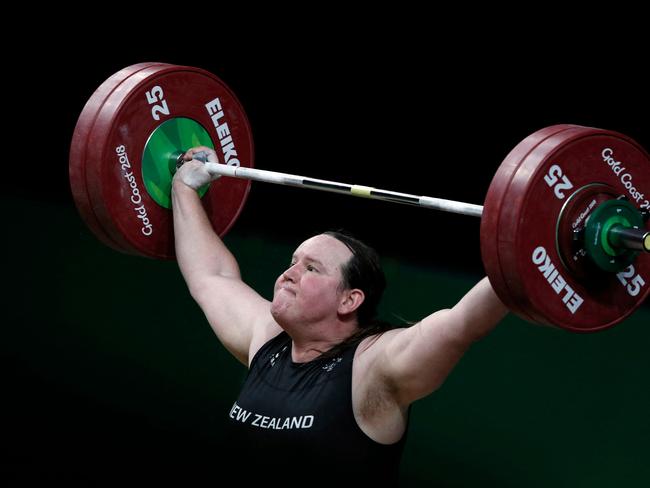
<point x="199" y="250"/>
<point x="478" y="312"/>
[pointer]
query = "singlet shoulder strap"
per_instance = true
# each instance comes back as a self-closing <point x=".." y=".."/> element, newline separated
<point x="268" y="346"/>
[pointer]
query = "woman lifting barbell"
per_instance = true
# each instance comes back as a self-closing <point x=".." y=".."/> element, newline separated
<point x="329" y="387"/>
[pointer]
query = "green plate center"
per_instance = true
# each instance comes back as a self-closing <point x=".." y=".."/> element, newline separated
<point x="165" y="143"/>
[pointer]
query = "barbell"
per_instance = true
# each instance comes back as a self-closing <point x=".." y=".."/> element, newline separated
<point x="564" y="237"/>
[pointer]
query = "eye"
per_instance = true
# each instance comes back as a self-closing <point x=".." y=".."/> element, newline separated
<point x="311" y="268"/>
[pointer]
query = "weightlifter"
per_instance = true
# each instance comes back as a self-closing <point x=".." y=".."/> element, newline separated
<point x="327" y="395"/>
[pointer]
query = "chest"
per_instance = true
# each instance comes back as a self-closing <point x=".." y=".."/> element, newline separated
<point x="280" y="394"/>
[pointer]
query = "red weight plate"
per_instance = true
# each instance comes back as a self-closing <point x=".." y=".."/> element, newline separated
<point x="79" y="146"/>
<point x="537" y="281"/>
<point x="116" y="144"/>
<point x="492" y="207"/>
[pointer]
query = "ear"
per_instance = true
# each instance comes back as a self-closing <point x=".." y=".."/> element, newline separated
<point x="350" y="301"/>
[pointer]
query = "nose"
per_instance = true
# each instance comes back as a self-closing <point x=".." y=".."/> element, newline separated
<point x="287" y="274"/>
<point x="290" y="274"/>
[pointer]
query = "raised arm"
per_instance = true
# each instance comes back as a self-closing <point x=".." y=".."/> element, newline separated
<point x="415" y="361"/>
<point x="235" y="311"/>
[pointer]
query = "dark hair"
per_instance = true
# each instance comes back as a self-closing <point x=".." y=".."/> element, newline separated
<point x="362" y="271"/>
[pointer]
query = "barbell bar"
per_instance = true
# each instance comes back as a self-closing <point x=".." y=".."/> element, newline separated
<point x="287" y="179"/>
<point x="618" y="236"/>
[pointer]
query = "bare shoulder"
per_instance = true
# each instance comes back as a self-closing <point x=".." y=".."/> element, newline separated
<point x="367" y="372"/>
<point x="371" y="347"/>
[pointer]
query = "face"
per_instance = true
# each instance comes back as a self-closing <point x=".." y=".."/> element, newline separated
<point x="310" y="289"/>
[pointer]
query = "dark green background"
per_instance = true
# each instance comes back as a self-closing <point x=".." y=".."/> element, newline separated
<point x="109" y="370"/>
<point x="113" y="369"/>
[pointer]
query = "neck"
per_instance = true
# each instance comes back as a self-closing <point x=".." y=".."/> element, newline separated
<point x="311" y="343"/>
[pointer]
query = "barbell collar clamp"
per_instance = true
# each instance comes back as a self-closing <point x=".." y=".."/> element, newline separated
<point x="629" y="238"/>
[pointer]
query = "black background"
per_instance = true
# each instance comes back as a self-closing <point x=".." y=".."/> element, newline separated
<point x="421" y="114"/>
